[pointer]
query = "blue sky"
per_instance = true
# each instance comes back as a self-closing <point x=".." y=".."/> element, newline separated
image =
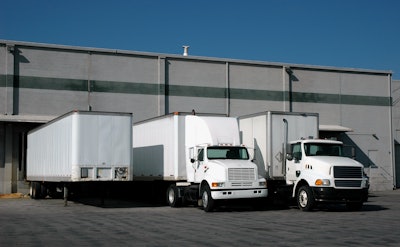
<point x="342" y="33"/>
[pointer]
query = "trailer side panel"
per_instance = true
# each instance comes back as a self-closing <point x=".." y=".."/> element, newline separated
<point x="81" y="146"/>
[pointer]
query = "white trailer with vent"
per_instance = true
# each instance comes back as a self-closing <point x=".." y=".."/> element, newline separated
<point x="199" y="156"/>
<point x="288" y="153"/>
<point x="80" y="146"/>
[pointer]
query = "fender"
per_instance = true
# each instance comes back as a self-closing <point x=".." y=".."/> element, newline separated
<point x="308" y="177"/>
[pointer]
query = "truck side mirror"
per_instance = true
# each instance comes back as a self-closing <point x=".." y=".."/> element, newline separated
<point x="289" y="154"/>
<point x="192" y="160"/>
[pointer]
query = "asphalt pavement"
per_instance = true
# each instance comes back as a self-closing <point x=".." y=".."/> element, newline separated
<point x="118" y="222"/>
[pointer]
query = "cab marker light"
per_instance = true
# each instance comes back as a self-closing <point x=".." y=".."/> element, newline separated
<point x="321" y="182"/>
<point x="215" y="184"/>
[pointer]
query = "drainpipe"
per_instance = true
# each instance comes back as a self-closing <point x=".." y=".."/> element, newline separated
<point x="89" y="86"/>
<point x="5" y="83"/>
<point x="392" y="133"/>
<point x="227" y="85"/>
<point x="289" y="72"/>
<point x="6" y="79"/>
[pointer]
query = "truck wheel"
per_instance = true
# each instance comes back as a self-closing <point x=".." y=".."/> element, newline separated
<point x="207" y="200"/>
<point x="354" y="206"/>
<point x="305" y="198"/>
<point x="173" y="196"/>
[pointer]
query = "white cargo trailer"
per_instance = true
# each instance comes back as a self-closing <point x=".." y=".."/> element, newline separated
<point x="80" y="146"/>
<point x="287" y="152"/>
<point x="200" y="156"/>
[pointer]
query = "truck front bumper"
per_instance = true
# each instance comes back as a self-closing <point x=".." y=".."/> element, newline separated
<point x="238" y="194"/>
<point x="327" y="194"/>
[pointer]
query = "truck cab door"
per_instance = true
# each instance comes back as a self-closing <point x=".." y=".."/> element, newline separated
<point x="199" y="165"/>
<point x="293" y="163"/>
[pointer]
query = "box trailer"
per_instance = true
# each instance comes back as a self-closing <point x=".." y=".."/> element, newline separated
<point x="80" y="146"/>
<point x="295" y="162"/>
<point x="199" y="156"/>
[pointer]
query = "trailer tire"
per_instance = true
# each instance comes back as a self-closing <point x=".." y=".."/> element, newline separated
<point x="207" y="200"/>
<point x="305" y="198"/>
<point x="173" y="196"/>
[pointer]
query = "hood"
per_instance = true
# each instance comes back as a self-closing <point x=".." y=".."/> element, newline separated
<point x="333" y="161"/>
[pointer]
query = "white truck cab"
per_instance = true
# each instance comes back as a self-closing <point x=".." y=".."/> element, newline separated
<point x="319" y="172"/>
<point x="225" y="172"/>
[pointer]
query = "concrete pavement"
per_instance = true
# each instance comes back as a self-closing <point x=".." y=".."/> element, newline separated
<point x="85" y="222"/>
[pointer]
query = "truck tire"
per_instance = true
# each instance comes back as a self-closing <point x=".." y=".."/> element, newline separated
<point x="305" y="198"/>
<point x="173" y="196"/>
<point x="207" y="200"/>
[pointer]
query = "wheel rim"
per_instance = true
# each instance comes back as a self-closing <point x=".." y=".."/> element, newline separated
<point x="303" y="198"/>
<point x="205" y="199"/>
<point x="171" y="196"/>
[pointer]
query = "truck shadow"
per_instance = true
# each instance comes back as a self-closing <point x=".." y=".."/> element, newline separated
<point x="154" y="198"/>
<point x="116" y="202"/>
<point x="119" y="195"/>
<point x="342" y="208"/>
<point x="369" y="206"/>
<point x="229" y="207"/>
<point x="248" y="206"/>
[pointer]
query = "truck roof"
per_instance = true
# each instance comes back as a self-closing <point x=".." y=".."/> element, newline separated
<point x="318" y="141"/>
<point x="79" y="112"/>
<point x="180" y="114"/>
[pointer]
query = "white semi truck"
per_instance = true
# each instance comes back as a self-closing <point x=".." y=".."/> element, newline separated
<point x="199" y="156"/>
<point x="296" y="163"/>
<point x="80" y="146"/>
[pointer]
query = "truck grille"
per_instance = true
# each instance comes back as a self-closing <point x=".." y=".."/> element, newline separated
<point x="347" y="172"/>
<point x="241" y="174"/>
<point x="348" y="183"/>
<point x="241" y="184"/>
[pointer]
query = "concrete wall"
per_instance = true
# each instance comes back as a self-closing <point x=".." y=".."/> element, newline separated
<point x="41" y="79"/>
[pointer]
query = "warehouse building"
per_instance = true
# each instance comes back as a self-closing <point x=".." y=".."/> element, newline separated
<point x="39" y="82"/>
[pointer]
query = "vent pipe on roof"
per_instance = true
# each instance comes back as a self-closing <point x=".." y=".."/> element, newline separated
<point x="185" y="50"/>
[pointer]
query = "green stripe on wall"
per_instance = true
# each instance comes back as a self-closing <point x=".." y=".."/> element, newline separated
<point x="365" y="100"/>
<point x="52" y="83"/>
<point x="194" y="91"/>
<point x="191" y="91"/>
<point x="124" y="87"/>
<point x="44" y="83"/>
<point x="340" y="99"/>
<point x="250" y="94"/>
<point x="316" y="98"/>
<point x="2" y="80"/>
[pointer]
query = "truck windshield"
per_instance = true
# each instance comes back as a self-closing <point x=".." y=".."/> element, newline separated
<point x="323" y="149"/>
<point x="237" y="153"/>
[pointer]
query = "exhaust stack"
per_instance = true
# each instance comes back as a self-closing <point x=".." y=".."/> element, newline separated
<point x="185" y="50"/>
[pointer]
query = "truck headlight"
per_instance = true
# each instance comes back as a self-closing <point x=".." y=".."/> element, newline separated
<point x="322" y="182"/>
<point x="262" y="183"/>
<point x="215" y="185"/>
